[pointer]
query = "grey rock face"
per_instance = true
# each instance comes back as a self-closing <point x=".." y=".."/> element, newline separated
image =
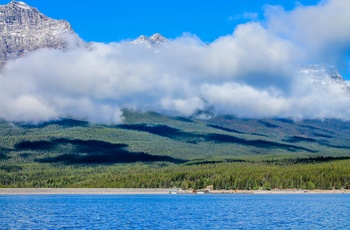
<point x="321" y="76"/>
<point x="156" y="40"/>
<point x="24" y="29"/>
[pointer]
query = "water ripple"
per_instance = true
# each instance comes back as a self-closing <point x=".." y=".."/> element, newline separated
<point x="175" y="212"/>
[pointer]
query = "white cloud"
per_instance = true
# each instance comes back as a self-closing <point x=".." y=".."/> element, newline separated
<point x="321" y="31"/>
<point x="185" y="107"/>
<point x="251" y="73"/>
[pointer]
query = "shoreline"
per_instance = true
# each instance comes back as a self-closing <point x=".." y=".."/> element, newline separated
<point x="145" y="191"/>
<point x="82" y="191"/>
<point x="282" y="191"/>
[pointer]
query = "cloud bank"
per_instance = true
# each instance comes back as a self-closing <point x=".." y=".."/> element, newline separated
<point x="251" y="73"/>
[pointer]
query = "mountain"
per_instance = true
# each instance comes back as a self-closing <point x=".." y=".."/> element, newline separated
<point x="24" y="29"/>
<point x="321" y="76"/>
<point x="154" y="150"/>
<point x="156" y="137"/>
<point x="156" y="40"/>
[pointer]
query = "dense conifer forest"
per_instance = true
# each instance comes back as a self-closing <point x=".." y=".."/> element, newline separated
<point x="149" y="150"/>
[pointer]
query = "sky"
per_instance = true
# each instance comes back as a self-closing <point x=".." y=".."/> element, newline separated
<point x="114" y="20"/>
<point x="225" y="57"/>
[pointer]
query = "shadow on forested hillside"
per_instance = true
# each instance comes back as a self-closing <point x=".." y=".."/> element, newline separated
<point x="255" y="143"/>
<point x="194" y="138"/>
<point x="89" y="152"/>
<point x="297" y="139"/>
<point x="225" y="129"/>
<point x="3" y="156"/>
<point x="163" y="131"/>
<point x="268" y="125"/>
<point x="183" y="119"/>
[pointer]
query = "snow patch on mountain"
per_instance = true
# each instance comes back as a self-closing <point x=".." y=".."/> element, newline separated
<point x="21" y="5"/>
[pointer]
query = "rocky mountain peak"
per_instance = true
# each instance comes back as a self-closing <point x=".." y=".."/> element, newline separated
<point x="24" y="29"/>
<point x="20" y="4"/>
<point x="158" y="38"/>
<point x="320" y="76"/>
<point x="154" y="40"/>
<point x="140" y="40"/>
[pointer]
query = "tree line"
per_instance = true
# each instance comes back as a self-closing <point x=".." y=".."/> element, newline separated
<point x="235" y="175"/>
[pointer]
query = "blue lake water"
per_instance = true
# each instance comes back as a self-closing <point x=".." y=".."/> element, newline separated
<point x="175" y="211"/>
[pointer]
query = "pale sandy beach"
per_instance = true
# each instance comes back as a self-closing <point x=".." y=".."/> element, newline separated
<point x="287" y="191"/>
<point x="101" y="191"/>
<point x="81" y="191"/>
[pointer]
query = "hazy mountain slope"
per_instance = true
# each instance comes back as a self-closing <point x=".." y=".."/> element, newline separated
<point x="155" y="137"/>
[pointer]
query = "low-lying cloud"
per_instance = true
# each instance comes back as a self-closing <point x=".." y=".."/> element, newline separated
<point x="251" y="73"/>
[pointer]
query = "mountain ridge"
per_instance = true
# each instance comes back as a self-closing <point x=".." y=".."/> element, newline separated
<point x="25" y="29"/>
<point x="321" y="76"/>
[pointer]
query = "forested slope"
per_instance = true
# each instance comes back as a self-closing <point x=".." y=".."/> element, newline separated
<point x="153" y="150"/>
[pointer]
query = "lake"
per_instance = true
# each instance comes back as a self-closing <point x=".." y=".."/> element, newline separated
<point x="242" y="211"/>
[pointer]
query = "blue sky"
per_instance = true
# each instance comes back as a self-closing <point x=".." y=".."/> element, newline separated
<point x="106" y="21"/>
